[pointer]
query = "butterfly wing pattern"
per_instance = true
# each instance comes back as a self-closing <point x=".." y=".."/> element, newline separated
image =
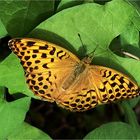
<point x="43" y="62"/>
<point x="55" y="74"/>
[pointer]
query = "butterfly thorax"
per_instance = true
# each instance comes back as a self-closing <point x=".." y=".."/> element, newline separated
<point x="79" y="68"/>
<point x="87" y="60"/>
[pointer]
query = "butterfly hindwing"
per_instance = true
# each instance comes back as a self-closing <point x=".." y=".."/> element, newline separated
<point x="113" y="85"/>
<point x="99" y="85"/>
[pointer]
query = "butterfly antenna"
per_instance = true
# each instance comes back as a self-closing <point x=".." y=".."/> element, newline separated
<point x="81" y="41"/>
<point x="92" y="53"/>
<point x="90" y="56"/>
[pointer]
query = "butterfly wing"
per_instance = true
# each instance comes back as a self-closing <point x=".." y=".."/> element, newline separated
<point x="113" y="85"/>
<point x="98" y="85"/>
<point x="45" y="65"/>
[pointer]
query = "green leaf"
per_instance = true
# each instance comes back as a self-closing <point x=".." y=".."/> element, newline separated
<point x="3" y="31"/>
<point x="26" y="131"/>
<point x="20" y="17"/>
<point x="130" y="36"/>
<point x="136" y="19"/>
<point x="68" y="3"/>
<point x="115" y="130"/>
<point x="133" y="102"/>
<point x="12" y="115"/>
<point x="98" y="25"/>
<point x="12" y="76"/>
<point x="130" y="116"/>
<point x="2" y="91"/>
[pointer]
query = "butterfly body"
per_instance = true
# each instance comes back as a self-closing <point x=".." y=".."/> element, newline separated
<point x="79" y="69"/>
<point x="55" y="74"/>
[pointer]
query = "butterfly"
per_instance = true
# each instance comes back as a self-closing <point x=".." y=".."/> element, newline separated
<point x="57" y="75"/>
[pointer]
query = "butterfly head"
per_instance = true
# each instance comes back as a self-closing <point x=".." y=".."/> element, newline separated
<point x="89" y="57"/>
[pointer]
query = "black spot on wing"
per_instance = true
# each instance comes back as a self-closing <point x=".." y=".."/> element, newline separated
<point x="118" y="94"/>
<point x="58" y="53"/>
<point x="45" y="87"/>
<point x="43" y="47"/>
<point x="62" y="56"/>
<point x="110" y="91"/>
<point x="104" y="73"/>
<point x="52" y="51"/>
<point x="30" y="43"/>
<point x="44" y="55"/>
<point x="113" y="84"/>
<point x="27" y="58"/>
<point x="91" y="91"/>
<point x="122" y="80"/>
<point x="105" y="82"/>
<point x="37" y="61"/>
<point x="22" y="53"/>
<point x="41" y="91"/>
<point x="45" y="65"/>
<point x="108" y="74"/>
<point x="102" y="89"/>
<point x="29" y="63"/>
<point x="52" y="59"/>
<point x="130" y="85"/>
<point x="33" y="82"/>
<point x="35" y="51"/>
<point x="114" y="76"/>
<point x="34" y="56"/>
<point x="24" y="48"/>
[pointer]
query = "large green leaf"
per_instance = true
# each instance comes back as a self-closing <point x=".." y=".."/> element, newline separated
<point x="12" y="115"/>
<point x="68" y="3"/>
<point x="3" y="31"/>
<point x="98" y="25"/>
<point x="130" y="36"/>
<point x="12" y="125"/>
<point x="20" y="17"/>
<point x="12" y="76"/>
<point x="136" y="19"/>
<point x="26" y="131"/>
<point x="115" y="130"/>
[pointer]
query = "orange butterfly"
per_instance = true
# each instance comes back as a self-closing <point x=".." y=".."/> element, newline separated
<point x="55" y="74"/>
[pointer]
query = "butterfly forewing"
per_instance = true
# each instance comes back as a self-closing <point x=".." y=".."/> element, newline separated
<point x="98" y="85"/>
<point x="37" y="56"/>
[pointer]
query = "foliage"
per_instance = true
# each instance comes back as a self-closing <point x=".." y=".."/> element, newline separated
<point x="108" y="26"/>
